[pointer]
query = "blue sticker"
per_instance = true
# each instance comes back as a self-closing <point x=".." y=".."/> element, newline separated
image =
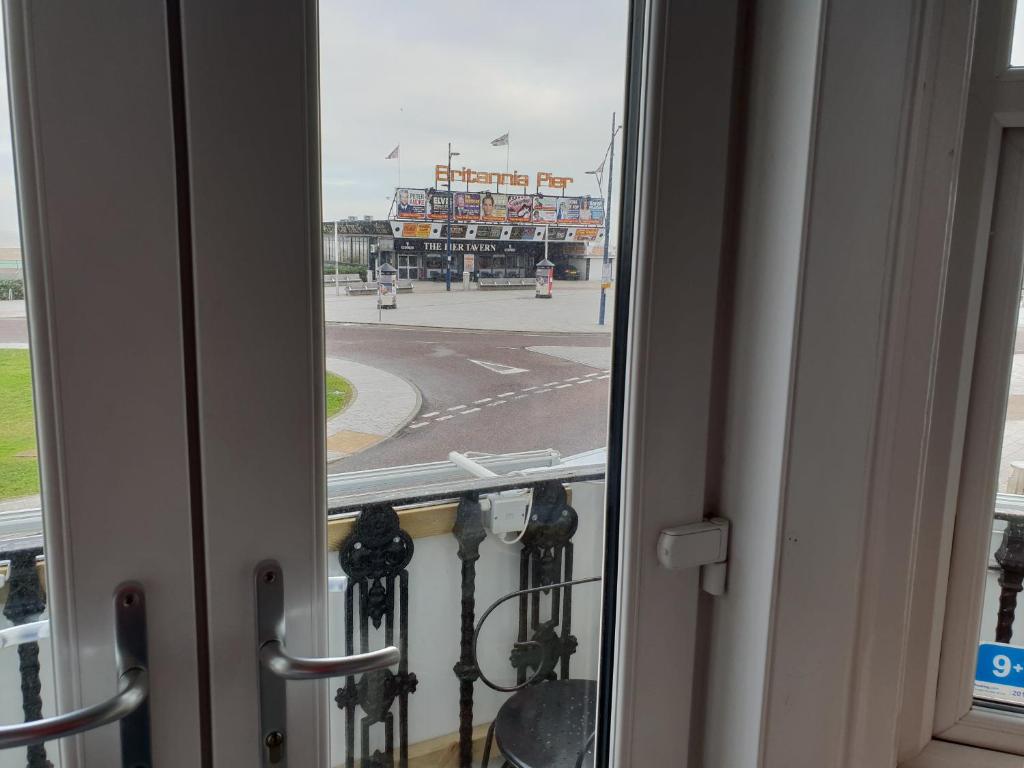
<point x="1000" y="673"/>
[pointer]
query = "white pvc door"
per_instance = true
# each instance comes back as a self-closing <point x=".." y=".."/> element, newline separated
<point x="362" y="509"/>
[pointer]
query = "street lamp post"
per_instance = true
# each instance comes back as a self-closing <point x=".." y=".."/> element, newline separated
<point x="606" y="261"/>
<point x="448" y="247"/>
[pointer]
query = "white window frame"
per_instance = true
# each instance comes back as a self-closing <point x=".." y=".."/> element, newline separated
<point x="840" y="593"/>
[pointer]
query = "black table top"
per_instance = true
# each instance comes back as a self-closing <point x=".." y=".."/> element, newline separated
<point x="548" y="725"/>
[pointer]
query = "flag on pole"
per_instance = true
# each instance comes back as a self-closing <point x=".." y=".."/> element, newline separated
<point x="394" y="153"/>
<point x="501" y="141"/>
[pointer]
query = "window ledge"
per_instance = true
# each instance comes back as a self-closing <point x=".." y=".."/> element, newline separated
<point x="943" y="754"/>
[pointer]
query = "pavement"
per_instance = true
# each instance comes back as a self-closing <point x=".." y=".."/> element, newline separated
<point x="572" y="309"/>
<point x="382" y="405"/>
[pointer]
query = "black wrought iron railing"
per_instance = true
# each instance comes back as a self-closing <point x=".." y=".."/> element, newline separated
<point x="24" y="605"/>
<point x="375" y="555"/>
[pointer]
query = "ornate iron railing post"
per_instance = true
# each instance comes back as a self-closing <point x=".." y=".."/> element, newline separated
<point x="25" y="603"/>
<point x="469" y="532"/>
<point x="1010" y="557"/>
<point x="374" y="556"/>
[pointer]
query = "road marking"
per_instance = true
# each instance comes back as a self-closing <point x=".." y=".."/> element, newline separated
<point x="526" y="389"/>
<point x="551" y="384"/>
<point x="585" y="381"/>
<point x="504" y="370"/>
<point x="542" y="391"/>
<point x="593" y="374"/>
<point x="483" y="400"/>
<point x="603" y="377"/>
<point x="605" y="371"/>
<point x="456" y="408"/>
<point x="507" y="394"/>
<point x="563" y="386"/>
<point x="497" y="402"/>
<point x="432" y="413"/>
<point x="520" y="397"/>
<point x="574" y="378"/>
<point x="471" y="410"/>
<point x="445" y="418"/>
<point x="417" y="426"/>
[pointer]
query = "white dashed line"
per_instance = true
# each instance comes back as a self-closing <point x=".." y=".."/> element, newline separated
<point x="585" y="381"/>
<point x="592" y="374"/>
<point x="483" y="400"/>
<point x="506" y="394"/>
<point x="606" y="371"/>
<point x="471" y="410"/>
<point x="551" y="384"/>
<point x="417" y="426"/>
<point x="527" y="389"/>
<point x="445" y="418"/>
<point x="603" y="377"/>
<point x="563" y="386"/>
<point x="520" y="397"/>
<point x="542" y="391"/>
<point x="432" y="413"/>
<point x="497" y="402"/>
<point x="574" y="378"/>
<point x="456" y="408"/>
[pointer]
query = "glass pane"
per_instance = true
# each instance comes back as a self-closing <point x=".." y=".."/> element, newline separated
<point x="1017" y="44"/>
<point x="471" y="200"/>
<point x="997" y="676"/>
<point x="26" y="672"/>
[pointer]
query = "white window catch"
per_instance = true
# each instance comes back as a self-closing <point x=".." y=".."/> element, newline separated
<point x="704" y="545"/>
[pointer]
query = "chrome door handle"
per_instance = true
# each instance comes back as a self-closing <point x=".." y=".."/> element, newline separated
<point x="274" y="657"/>
<point x="276" y="665"/>
<point x="130" y="705"/>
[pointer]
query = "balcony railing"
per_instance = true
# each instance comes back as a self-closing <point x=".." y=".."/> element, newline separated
<point x="411" y="562"/>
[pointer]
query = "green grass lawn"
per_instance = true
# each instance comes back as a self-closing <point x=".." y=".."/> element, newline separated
<point x="19" y="470"/>
<point x="339" y="393"/>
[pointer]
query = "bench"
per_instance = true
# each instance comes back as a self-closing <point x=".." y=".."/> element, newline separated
<point x="344" y="279"/>
<point x="360" y="288"/>
<point x="505" y="283"/>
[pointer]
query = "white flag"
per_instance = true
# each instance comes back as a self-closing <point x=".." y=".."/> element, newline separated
<point x="501" y="141"/>
<point x="394" y="153"/>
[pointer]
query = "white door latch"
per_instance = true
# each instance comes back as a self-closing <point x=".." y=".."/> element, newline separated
<point x="704" y="545"/>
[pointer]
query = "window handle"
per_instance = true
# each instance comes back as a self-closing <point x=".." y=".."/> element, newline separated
<point x="276" y="665"/>
<point x="130" y="705"/>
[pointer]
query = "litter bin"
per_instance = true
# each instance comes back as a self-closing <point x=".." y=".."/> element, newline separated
<point x="545" y="279"/>
<point x="387" y="287"/>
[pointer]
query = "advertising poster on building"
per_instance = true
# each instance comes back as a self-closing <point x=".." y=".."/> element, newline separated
<point x="545" y="209"/>
<point x="415" y="230"/>
<point x="591" y="210"/>
<point x="467" y="206"/>
<point x="523" y="233"/>
<point x="586" y="233"/>
<point x="411" y="204"/>
<point x="437" y="205"/>
<point x="557" y="233"/>
<point x="458" y="230"/>
<point x="520" y="208"/>
<point x="493" y="206"/>
<point x="569" y="209"/>
<point x="489" y="231"/>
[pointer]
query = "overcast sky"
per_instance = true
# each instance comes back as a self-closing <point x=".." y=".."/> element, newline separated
<point x="421" y="73"/>
<point x="424" y="73"/>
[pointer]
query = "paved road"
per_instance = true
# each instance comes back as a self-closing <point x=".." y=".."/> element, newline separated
<point x="552" y="401"/>
<point x="540" y="401"/>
